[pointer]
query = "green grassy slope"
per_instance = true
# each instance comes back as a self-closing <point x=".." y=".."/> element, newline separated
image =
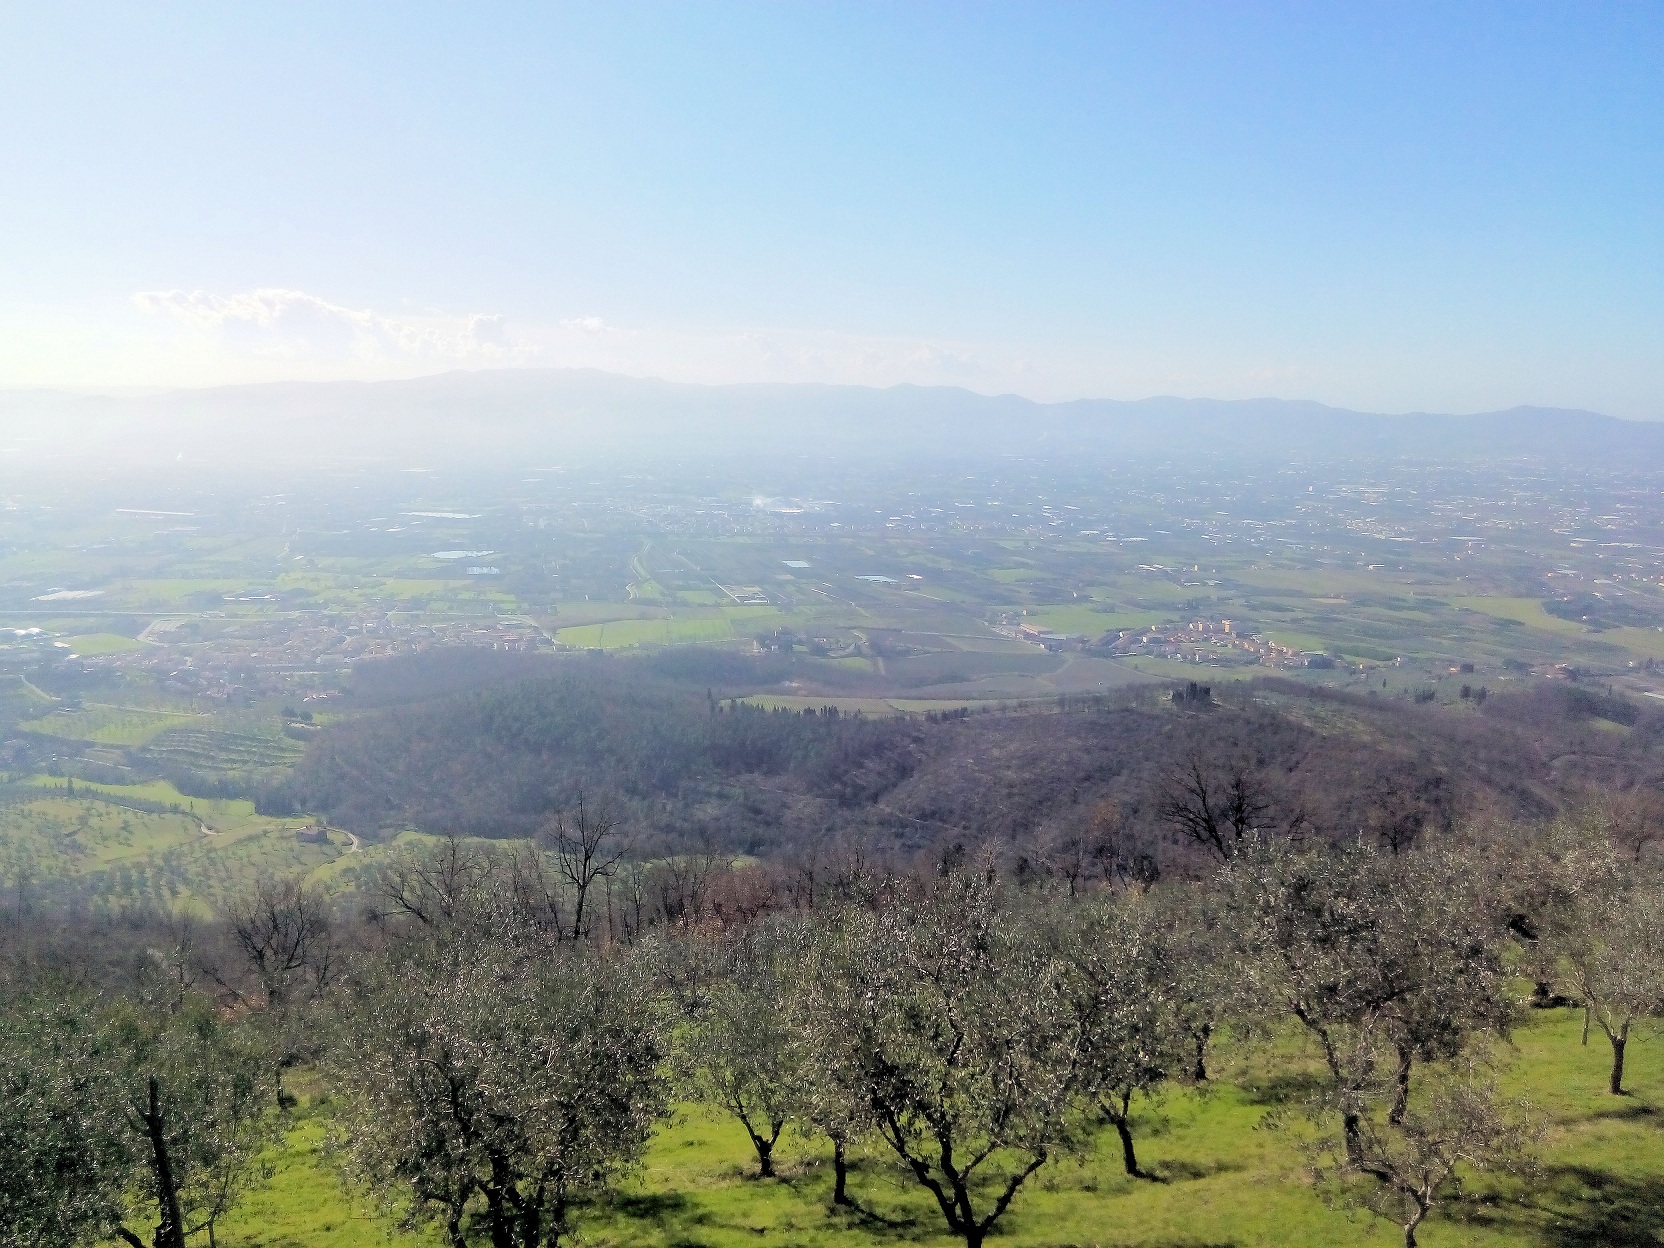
<point x="1222" y="1179"/>
<point x="148" y="843"/>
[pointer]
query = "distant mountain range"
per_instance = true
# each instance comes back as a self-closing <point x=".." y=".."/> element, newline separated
<point x="526" y="416"/>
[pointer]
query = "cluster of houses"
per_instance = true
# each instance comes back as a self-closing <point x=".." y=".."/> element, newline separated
<point x="1203" y="641"/>
<point x="1199" y="641"/>
<point x="248" y="658"/>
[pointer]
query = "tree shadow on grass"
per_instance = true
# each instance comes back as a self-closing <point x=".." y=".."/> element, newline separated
<point x="1579" y="1207"/>
<point x="1625" y="1108"/>
<point x="858" y="1213"/>
<point x="1283" y="1088"/>
<point x="814" y="1181"/>
<point x="1178" y="1171"/>
<point x="660" y="1208"/>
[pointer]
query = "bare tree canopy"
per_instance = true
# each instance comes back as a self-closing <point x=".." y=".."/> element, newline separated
<point x="1214" y="808"/>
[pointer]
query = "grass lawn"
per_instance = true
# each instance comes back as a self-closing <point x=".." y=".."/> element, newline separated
<point x="1646" y="642"/>
<point x="226" y="812"/>
<point x="1011" y="576"/>
<point x="1201" y="673"/>
<point x="1222" y="1178"/>
<point x="1298" y="641"/>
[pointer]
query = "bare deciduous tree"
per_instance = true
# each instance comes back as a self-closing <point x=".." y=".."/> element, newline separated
<point x="437" y="888"/>
<point x="1217" y="809"/>
<point x="282" y="938"/>
<point x="587" y="848"/>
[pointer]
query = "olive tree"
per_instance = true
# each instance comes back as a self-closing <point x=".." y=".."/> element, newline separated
<point x="1124" y="988"/>
<point x="1385" y="960"/>
<point x="194" y="1095"/>
<point x="480" y="1085"/>
<point x="1205" y="979"/>
<point x="744" y="1051"/>
<point x="1609" y="945"/>
<point x="67" y="1158"/>
<point x="1402" y="1168"/>
<point x="1456" y="942"/>
<point x="830" y="1095"/>
<point x="961" y="1027"/>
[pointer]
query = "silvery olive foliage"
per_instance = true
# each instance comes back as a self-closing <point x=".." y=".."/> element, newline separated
<point x="955" y="1014"/>
<point x="830" y="1097"/>
<point x="494" y="1084"/>
<point x="1391" y="963"/>
<point x="1456" y="1124"/>
<point x="197" y="1098"/>
<point x="1127" y="986"/>
<point x="150" y="1112"/>
<point x="1600" y="925"/>
<point x="744" y="1051"/>
<point x="67" y="1155"/>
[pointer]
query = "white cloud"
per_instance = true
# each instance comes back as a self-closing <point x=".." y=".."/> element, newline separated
<point x="488" y="331"/>
<point x="274" y="331"/>
<point x="589" y="325"/>
<point x="204" y="338"/>
<point x="291" y="324"/>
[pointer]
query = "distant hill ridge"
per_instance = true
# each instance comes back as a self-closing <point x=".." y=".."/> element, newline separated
<point x="472" y="417"/>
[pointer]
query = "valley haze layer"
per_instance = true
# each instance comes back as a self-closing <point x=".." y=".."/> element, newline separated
<point x="481" y="418"/>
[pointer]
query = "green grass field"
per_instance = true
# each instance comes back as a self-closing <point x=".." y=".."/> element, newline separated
<point x="93" y="644"/>
<point x="1221" y="1178"/>
<point x="1526" y="611"/>
<point x="628" y="634"/>
<point x="1646" y="642"/>
<point x="107" y="725"/>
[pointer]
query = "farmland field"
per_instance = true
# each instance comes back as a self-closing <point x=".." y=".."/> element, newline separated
<point x="109" y="725"/>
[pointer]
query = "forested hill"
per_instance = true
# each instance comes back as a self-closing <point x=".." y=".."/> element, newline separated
<point x="688" y="767"/>
<point x="498" y="761"/>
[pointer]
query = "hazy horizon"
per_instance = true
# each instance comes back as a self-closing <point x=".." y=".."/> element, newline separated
<point x="1422" y="210"/>
<point x="161" y="391"/>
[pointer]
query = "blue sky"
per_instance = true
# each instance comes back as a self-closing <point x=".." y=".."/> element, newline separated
<point x="1446" y="207"/>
